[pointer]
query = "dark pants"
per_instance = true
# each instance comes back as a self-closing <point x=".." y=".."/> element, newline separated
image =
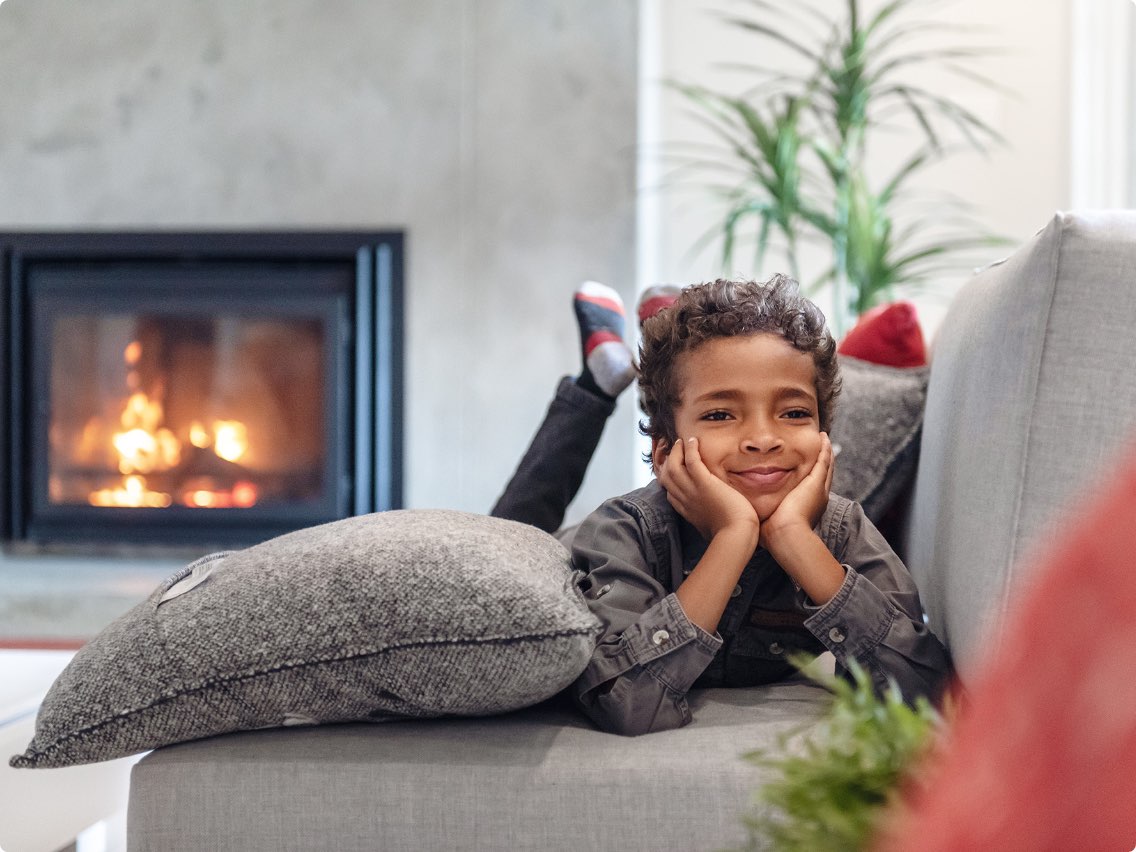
<point x="553" y="467"/>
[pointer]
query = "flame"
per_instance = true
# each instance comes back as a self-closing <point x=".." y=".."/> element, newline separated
<point x="146" y="446"/>
<point x="230" y="439"/>
<point x="203" y="499"/>
<point x="199" y="435"/>
<point x="132" y="494"/>
<point x="133" y="353"/>
<point x="243" y="495"/>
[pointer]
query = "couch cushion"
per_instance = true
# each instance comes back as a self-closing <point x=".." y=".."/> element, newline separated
<point x="1032" y="392"/>
<point x="1041" y="755"/>
<point x="539" y="779"/>
<point x="397" y="614"/>
<point x="879" y="415"/>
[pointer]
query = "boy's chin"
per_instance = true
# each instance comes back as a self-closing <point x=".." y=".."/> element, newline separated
<point x="766" y="506"/>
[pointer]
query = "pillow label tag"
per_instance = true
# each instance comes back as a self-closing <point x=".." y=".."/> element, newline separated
<point x="292" y="719"/>
<point x="199" y="572"/>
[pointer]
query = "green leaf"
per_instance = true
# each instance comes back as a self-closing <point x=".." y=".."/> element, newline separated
<point x="772" y="33"/>
<point x="830" y="787"/>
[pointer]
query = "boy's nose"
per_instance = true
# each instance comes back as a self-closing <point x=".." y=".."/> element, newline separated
<point x="762" y="439"/>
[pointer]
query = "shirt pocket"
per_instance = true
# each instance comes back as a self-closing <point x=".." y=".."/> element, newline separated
<point x="763" y="648"/>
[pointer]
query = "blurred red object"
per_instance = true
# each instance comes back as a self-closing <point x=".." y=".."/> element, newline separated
<point x="888" y="335"/>
<point x="1042" y="756"/>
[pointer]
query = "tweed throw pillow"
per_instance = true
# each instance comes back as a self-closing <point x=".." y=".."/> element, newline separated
<point x="879" y="418"/>
<point x="413" y="613"/>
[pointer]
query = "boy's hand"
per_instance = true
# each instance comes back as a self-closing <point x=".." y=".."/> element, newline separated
<point x="804" y="505"/>
<point x="699" y="496"/>
<point x="789" y="536"/>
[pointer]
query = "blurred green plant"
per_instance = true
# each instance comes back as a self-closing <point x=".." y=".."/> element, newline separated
<point x="790" y="157"/>
<point x="831" y="789"/>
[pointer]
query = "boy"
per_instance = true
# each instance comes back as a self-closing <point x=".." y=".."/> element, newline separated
<point x="736" y="556"/>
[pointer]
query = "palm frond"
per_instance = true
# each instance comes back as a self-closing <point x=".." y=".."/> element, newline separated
<point x="774" y="34"/>
<point x="793" y="144"/>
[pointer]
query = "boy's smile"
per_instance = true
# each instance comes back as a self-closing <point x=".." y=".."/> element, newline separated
<point x="751" y="402"/>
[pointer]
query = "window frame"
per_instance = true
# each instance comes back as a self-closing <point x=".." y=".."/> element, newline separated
<point x="1102" y="115"/>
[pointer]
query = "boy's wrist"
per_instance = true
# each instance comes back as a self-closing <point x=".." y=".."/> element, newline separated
<point x="781" y="537"/>
<point x="745" y="532"/>
<point x="704" y="594"/>
<point x="803" y="555"/>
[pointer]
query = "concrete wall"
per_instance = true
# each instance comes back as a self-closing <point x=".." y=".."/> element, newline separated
<point x="500" y="133"/>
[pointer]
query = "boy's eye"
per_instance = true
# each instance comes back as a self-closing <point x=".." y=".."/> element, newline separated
<point x="799" y="414"/>
<point x="716" y="415"/>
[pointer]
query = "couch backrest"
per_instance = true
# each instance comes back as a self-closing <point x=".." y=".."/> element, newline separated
<point x="1032" y="395"/>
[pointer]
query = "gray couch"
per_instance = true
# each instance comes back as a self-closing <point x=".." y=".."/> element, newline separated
<point x="1031" y="391"/>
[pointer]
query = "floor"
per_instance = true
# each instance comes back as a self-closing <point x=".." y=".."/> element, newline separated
<point x="62" y="601"/>
<point x="79" y="808"/>
<point x="48" y="607"/>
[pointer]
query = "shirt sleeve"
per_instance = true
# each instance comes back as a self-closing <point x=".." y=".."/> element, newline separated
<point x="876" y="617"/>
<point x="649" y="653"/>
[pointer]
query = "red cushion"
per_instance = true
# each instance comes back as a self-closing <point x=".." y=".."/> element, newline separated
<point x="888" y="335"/>
<point x="1043" y="753"/>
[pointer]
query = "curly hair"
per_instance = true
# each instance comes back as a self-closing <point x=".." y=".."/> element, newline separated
<point x="724" y="308"/>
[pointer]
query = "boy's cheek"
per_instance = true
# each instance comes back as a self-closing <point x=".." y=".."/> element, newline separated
<point x="812" y="450"/>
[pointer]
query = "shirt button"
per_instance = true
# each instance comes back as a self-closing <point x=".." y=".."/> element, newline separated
<point x="603" y="590"/>
<point x="660" y="636"/>
<point x="836" y="635"/>
<point x="736" y="592"/>
<point x="777" y="648"/>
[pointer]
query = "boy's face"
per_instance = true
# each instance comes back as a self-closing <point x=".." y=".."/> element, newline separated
<point x="751" y="402"/>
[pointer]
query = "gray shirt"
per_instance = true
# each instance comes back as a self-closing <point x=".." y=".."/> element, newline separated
<point x="635" y="550"/>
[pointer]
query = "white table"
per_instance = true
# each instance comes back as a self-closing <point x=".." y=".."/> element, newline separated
<point x="43" y="810"/>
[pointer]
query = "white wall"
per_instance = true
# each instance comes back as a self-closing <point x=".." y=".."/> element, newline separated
<point x="1014" y="190"/>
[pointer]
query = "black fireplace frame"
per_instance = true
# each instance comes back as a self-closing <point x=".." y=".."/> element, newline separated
<point x="370" y="436"/>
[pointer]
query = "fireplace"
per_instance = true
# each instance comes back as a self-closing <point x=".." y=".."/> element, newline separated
<point x="198" y="389"/>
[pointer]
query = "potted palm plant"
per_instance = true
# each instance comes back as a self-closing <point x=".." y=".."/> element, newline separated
<point x="789" y="163"/>
<point x="837" y="788"/>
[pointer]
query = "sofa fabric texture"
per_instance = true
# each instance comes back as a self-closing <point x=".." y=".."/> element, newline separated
<point x="413" y="613"/>
<point x="875" y="432"/>
<point x="1049" y="727"/>
<point x="1032" y="398"/>
<point x="539" y="779"/>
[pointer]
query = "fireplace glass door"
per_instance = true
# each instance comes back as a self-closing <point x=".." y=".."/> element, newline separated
<point x="197" y="390"/>
<point x="215" y="397"/>
<point x="152" y="410"/>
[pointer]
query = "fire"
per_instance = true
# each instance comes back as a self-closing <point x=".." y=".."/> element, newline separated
<point x="243" y="495"/>
<point x="230" y="439"/>
<point x="199" y="435"/>
<point x="132" y="494"/>
<point x="133" y="353"/>
<point x="145" y="446"/>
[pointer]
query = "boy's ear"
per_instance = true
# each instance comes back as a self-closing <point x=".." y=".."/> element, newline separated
<point x="659" y="450"/>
